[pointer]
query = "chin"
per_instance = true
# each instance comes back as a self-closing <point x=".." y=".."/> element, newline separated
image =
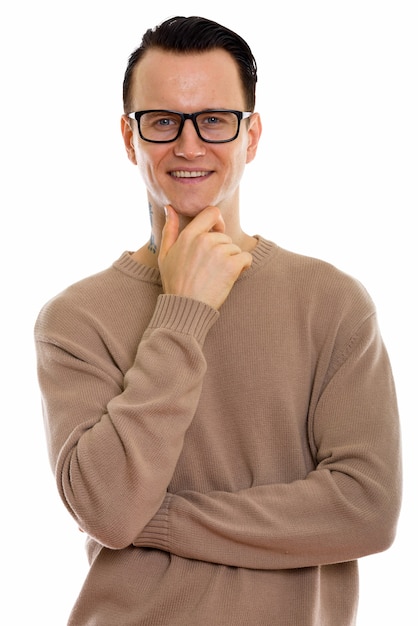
<point x="192" y="208"/>
<point x="187" y="211"/>
<point x="192" y="211"/>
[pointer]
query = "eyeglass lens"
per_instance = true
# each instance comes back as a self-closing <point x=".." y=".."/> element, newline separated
<point x="212" y="125"/>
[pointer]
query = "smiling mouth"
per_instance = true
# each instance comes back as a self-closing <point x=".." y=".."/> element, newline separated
<point x="188" y="174"/>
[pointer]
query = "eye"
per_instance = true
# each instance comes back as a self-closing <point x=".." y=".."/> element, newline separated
<point x="165" y="121"/>
<point x="212" y="120"/>
<point x="216" y="119"/>
<point x="159" y="125"/>
<point x="160" y="120"/>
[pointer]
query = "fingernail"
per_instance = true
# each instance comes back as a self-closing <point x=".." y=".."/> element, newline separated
<point x="166" y="211"/>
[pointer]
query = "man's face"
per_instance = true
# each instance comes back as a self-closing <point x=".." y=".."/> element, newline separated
<point x="189" y="83"/>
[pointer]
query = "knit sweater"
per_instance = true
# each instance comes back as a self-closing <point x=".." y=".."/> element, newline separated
<point x="228" y="467"/>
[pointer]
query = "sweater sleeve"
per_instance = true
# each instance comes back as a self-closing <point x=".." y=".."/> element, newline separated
<point x="114" y="440"/>
<point x="346" y="508"/>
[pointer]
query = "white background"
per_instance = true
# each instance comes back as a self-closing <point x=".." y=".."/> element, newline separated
<point x="335" y="177"/>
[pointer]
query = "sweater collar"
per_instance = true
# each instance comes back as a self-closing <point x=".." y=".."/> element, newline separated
<point x="126" y="264"/>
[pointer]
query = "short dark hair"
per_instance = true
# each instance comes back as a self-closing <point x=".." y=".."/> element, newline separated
<point x="196" y="34"/>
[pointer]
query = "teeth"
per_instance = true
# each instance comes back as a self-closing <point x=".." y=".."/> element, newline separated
<point x="184" y="174"/>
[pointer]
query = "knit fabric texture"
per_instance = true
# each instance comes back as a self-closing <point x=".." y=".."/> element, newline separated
<point x="228" y="467"/>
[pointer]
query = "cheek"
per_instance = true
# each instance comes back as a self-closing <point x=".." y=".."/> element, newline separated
<point x="148" y="164"/>
<point x="151" y="168"/>
<point x="237" y="164"/>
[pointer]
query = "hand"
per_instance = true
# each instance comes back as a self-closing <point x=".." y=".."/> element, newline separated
<point x="201" y="261"/>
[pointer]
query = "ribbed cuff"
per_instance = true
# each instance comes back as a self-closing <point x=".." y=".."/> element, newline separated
<point x="184" y="315"/>
<point x="155" y="533"/>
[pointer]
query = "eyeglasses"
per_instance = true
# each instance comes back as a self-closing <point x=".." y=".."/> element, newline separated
<point x="212" y="126"/>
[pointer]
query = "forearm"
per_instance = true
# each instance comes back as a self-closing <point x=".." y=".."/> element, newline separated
<point x="325" y="518"/>
<point x="345" y="508"/>
<point x="115" y="443"/>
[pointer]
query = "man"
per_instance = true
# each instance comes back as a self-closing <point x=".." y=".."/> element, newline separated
<point x="220" y="412"/>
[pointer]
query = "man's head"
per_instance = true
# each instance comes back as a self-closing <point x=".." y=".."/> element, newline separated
<point x="192" y="35"/>
<point x="189" y="123"/>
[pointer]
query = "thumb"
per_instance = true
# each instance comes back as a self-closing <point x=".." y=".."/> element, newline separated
<point x="170" y="230"/>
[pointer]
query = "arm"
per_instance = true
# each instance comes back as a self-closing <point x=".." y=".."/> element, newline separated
<point x="344" y="509"/>
<point x="114" y="441"/>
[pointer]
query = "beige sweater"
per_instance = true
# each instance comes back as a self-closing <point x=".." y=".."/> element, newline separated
<point x="228" y="467"/>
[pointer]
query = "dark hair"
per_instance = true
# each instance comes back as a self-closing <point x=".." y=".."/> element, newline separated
<point x="196" y="34"/>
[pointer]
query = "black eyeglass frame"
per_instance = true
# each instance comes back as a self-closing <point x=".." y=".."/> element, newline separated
<point x="240" y="115"/>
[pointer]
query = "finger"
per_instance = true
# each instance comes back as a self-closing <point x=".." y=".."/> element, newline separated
<point x="247" y="260"/>
<point x="170" y="231"/>
<point x="210" y="219"/>
<point x="239" y="263"/>
<point x="219" y="225"/>
<point x="238" y="257"/>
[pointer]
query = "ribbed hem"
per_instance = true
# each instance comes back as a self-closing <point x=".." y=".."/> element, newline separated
<point x="184" y="315"/>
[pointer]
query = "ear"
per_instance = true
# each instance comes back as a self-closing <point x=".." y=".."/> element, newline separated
<point x="128" y="138"/>
<point x="254" y="133"/>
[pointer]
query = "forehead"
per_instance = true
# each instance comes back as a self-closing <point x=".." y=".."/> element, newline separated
<point x="186" y="81"/>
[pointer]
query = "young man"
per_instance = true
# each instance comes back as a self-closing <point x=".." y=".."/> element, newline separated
<point x="220" y="412"/>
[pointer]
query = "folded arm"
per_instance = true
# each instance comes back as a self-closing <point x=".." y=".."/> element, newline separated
<point x="345" y="509"/>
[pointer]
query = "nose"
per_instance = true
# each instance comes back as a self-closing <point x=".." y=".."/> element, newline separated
<point x="189" y="145"/>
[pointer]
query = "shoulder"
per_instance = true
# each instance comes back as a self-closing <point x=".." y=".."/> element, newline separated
<point x="77" y="295"/>
<point x="330" y="275"/>
<point x="88" y="297"/>
<point x="122" y="284"/>
<point x="316" y="290"/>
<point x="67" y="317"/>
